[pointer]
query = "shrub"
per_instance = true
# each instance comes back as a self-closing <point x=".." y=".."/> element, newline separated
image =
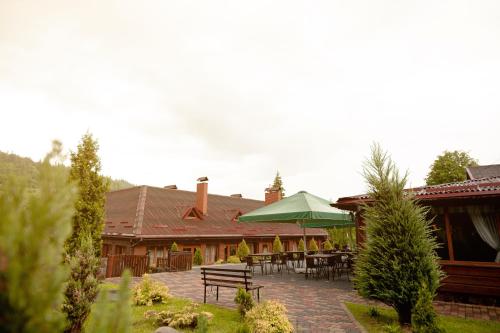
<point x="197" y="258"/>
<point x="148" y="292"/>
<point x="392" y="328"/>
<point x="187" y="317"/>
<point x="174" y="247"/>
<point x="233" y="260"/>
<point x="424" y="318"/>
<point x="243" y="328"/>
<point x="202" y="323"/>
<point x="301" y="245"/>
<point x="327" y="245"/>
<point x="268" y="317"/>
<point x="277" y="246"/>
<point x="244" y="300"/>
<point x="243" y="250"/>
<point x="399" y="253"/>
<point x="219" y="261"/>
<point x="313" y="246"/>
<point x="373" y="312"/>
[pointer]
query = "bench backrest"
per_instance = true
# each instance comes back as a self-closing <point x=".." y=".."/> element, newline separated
<point x="227" y="276"/>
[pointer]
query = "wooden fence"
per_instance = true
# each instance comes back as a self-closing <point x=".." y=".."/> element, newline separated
<point x="117" y="263"/>
<point x="176" y="261"/>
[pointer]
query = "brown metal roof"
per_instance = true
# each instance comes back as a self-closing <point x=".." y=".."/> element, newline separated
<point x="151" y="212"/>
<point x="484" y="187"/>
<point x="483" y="171"/>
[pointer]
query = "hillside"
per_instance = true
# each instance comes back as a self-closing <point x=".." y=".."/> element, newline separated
<point x="12" y="165"/>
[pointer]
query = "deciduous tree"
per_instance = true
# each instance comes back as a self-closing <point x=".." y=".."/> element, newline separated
<point x="449" y="167"/>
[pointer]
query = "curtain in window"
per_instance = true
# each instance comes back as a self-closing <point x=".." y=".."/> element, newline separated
<point x="486" y="227"/>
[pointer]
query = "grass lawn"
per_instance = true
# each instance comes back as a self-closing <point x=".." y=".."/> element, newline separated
<point x="389" y="316"/>
<point x="224" y="320"/>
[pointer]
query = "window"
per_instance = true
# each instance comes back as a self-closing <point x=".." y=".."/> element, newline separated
<point x="232" y="250"/>
<point x="439" y="228"/>
<point x="467" y="244"/>
<point x="159" y="252"/>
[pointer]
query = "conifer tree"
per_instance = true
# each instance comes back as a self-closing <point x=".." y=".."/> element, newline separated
<point x="174" y="247"/>
<point x="399" y="254"/>
<point x="301" y="245"/>
<point x="277" y="246"/>
<point x="278" y="184"/>
<point x="313" y="246"/>
<point x="33" y="228"/>
<point x="243" y="250"/>
<point x="197" y="258"/>
<point x="83" y="247"/>
<point x="327" y="245"/>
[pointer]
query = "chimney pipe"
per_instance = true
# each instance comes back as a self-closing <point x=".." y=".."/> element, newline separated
<point x="202" y="195"/>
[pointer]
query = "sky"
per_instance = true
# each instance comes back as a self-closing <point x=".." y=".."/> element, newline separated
<point x="236" y="90"/>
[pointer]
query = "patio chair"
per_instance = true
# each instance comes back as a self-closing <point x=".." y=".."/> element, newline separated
<point x="300" y="259"/>
<point x="345" y="266"/>
<point x="275" y="261"/>
<point x="283" y="263"/>
<point x="311" y="267"/>
<point x="251" y="265"/>
<point x="290" y="258"/>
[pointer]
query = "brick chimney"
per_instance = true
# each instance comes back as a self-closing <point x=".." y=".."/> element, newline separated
<point x="272" y="195"/>
<point x="202" y="195"/>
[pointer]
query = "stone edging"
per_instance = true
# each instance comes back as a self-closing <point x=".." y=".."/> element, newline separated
<point x="351" y="316"/>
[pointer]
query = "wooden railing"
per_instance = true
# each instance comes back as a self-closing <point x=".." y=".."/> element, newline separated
<point x="478" y="278"/>
<point x="176" y="261"/>
<point x="117" y="263"/>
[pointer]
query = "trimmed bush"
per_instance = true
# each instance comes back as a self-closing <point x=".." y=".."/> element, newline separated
<point x="197" y="258"/>
<point x="277" y="246"/>
<point x="188" y="317"/>
<point x="244" y="300"/>
<point x="313" y="246"/>
<point x="301" y="245"/>
<point x="174" y="247"/>
<point x="243" y="250"/>
<point x="149" y="292"/>
<point x="233" y="260"/>
<point x="268" y="317"/>
<point x="327" y="246"/>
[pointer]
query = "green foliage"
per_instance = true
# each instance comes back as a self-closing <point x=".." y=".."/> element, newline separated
<point x="424" y="317"/>
<point x="92" y="188"/>
<point x="244" y="300"/>
<point x="82" y="286"/>
<point x="278" y="184"/>
<point x="313" y="246"/>
<point x="343" y="236"/>
<point x="327" y="246"/>
<point x="301" y="245"/>
<point x="277" y="246"/>
<point x="202" y="323"/>
<point x="187" y="317"/>
<point x="393" y="328"/>
<point x="399" y="254"/>
<point x="373" y="312"/>
<point x="243" y="250"/>
<point x="174" y="247"/>
<point x="149" y="291"/>
<point x="449" y="167"/>
<point x="33" y="227"/>
<point x="268" y="317"/>
<point x="233" y="260"/>
<point x="219" y="261"/>
<point x="112" y="317"/>
<point x="243" y="328"/>
<point x="197" y="258"/>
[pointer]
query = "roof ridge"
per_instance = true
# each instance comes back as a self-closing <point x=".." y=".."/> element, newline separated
<point x="194" y="192"/>
<point x="139" y="213"/>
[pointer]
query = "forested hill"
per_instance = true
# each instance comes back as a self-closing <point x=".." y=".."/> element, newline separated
<point x="25" y="168"/>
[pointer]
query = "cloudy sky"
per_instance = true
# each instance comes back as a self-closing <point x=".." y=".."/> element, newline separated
<point x="235" y="90"/>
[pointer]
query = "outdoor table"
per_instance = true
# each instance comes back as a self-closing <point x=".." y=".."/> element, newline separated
<point x="262" y="259"/>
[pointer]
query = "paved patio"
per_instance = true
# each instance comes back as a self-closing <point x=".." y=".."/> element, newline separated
<point x="313" y="305"/>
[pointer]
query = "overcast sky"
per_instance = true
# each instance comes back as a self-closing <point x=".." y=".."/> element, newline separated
<point x="233" y="90"/>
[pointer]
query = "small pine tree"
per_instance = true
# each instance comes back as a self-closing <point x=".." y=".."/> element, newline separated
<point x="327" y="245"/>
<point x="244" y="300"/>
<point x="301" y="245"/>
<point x="33" y="228"/>
<point x="277" y="246"/>
<point x="399" y="253"/>
<point x="278" y="184"/>
<point x="174" y="248"/>
<point x="313" y="246"/>
<point x="243" y="250"/>
<point x="197" y="258"/>
<point x="115" y="317"/>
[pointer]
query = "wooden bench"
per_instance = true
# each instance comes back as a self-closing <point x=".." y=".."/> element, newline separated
<point x="227" y="278"/>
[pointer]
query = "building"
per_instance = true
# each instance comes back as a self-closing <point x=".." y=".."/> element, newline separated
<point x="147" y="220"/>
<point x="467" y="224"/>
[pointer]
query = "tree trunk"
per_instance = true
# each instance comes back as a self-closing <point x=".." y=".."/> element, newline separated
<point x="404" y="313"/>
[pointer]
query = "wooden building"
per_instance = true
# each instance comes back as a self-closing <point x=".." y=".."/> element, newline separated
<point x="467" y="224"/>
<point x="147" y="220"/>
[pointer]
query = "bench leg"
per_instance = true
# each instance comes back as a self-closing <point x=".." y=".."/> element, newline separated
<point x="217" y="293"/>
<point x="258" y="295"/>
<point x="205" y="295"/>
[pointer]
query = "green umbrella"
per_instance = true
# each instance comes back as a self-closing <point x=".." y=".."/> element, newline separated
<point x="308" y="210"/>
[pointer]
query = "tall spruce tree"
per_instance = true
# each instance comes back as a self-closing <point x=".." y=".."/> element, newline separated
<point x="83" y="247"/>
<point x="400" y="252"/>
<point x="278" y="184"/>
<point x="33" y="228"/>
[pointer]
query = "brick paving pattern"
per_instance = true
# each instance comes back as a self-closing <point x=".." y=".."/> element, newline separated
<point x="313" y="305"/>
